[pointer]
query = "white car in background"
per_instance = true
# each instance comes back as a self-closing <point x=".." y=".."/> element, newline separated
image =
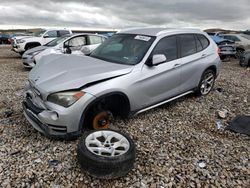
<point x="22" y="44"/>
<point x="68" y="44"/>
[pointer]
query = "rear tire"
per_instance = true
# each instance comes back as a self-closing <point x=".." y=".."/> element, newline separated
<point x="239" y="53"/>
<point x="206" y="83"/>
<point x="244" y="63"/>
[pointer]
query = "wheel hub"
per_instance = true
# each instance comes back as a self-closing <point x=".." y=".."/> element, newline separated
<point x="102" y="120"/>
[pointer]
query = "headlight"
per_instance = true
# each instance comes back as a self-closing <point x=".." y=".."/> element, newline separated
<point x="65" y="99"/>
<point x="18" y="41"/>
<point x="34" y="53"/>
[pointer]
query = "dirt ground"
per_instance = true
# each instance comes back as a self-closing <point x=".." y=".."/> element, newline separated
<point x="172" y="140"/>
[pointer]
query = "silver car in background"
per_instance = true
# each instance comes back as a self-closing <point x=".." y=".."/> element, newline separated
<point x="131" y="72"/>
<point x="73" y="43"/>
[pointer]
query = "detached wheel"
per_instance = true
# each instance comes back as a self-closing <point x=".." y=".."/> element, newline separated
<point x="106" y="154"/>
<point x="207" y="82"/>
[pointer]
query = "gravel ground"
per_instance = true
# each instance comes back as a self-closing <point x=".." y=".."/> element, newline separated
<point x="178" y="144"/>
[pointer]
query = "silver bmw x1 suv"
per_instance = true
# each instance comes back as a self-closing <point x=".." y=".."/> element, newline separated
<point x="131" y="72"/>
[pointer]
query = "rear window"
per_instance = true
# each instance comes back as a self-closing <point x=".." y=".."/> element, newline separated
<point x="203" y="40"/>
<point x="231" y="37"/>
<point x="63" y="32"/>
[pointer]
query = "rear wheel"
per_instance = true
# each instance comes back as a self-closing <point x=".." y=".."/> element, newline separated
<point x="239" y="53"/>
<point x="244" y="63"/>
<point x="206" y="83"/>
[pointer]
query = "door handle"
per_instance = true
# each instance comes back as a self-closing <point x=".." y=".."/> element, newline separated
<point x="177" y="65"/>
<point x="203" y="55"/>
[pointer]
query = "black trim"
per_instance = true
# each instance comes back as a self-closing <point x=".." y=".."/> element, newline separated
<point x="32" y="107"/>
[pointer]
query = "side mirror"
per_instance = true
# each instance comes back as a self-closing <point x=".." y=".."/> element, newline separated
<point x="157" y="59"/>
<point x="67" y="50"/>
<point x="85" y="50"/>
<point x="46" y="36"/>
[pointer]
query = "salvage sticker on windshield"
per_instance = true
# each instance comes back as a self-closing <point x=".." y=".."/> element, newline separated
<point x="144" y="38"/>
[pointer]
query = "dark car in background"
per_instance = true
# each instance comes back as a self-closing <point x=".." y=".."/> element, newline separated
<point x="14" y="35"/>
<point x="227" y="47"/>
<point x="4" y="38"/>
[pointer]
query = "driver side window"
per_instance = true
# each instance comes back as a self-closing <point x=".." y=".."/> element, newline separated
<point x="76" y="42"/>
<point x="168" y="47"/>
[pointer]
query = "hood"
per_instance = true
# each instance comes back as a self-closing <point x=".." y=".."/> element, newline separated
<point x="36" y="49"/>
<point x="56" y="73"/>
<point x="21" y="37"/>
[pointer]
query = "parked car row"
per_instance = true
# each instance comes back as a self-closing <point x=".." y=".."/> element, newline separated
<point x="131" y="72"/>
<point x="9" y="38"/>
<point x="22" y="44"/>
<point x="67" y="44"/>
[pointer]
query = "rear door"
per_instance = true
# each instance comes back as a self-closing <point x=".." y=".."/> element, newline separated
<point x="193" y="59"/>
<point x="160" y="82"/>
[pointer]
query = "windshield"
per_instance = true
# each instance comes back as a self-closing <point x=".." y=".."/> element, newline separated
<point x="39" y="33"/>
<point x="124" y="48"/>
<point x="56" y="41"/>
<point x="246" y="36"/>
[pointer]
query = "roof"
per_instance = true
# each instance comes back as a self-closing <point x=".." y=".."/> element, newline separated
<point x="156" y="31"/>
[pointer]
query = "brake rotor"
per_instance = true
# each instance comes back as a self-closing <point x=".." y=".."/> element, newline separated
<point x="102" y="120"/>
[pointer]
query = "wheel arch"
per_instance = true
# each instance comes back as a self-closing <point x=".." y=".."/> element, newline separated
<point x="213" y="68"/>
<point x="119" y="97"/>
<point x="240" y="48"/>
<point x="32" y="44"/>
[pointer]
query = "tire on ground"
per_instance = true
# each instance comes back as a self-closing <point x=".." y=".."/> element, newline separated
<point x="104" y="166"/>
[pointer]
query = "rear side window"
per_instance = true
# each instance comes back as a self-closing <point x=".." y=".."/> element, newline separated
<point x="95" y="39"/>
<point x="198" y="44"/>
<point x="63" y="32"/>
<point x="204" y="41"/>
<point x="188" y="45"/>
<point x="168" y="47"/>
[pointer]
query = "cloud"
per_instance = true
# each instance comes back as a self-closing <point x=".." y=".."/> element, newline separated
<point x="119" y="14"/>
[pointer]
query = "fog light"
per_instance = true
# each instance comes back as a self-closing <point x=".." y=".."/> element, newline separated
<point x="54" y="116"/>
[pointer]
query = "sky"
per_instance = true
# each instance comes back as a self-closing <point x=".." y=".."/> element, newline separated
<point x="118" y="14"/>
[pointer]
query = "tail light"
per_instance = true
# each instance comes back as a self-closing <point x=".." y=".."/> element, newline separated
<point x="218" y="51"/>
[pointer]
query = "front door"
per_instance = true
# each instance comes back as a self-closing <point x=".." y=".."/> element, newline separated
<point x="158" y="83"/>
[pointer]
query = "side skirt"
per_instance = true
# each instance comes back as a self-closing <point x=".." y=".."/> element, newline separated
<point x="161" y="103"/>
